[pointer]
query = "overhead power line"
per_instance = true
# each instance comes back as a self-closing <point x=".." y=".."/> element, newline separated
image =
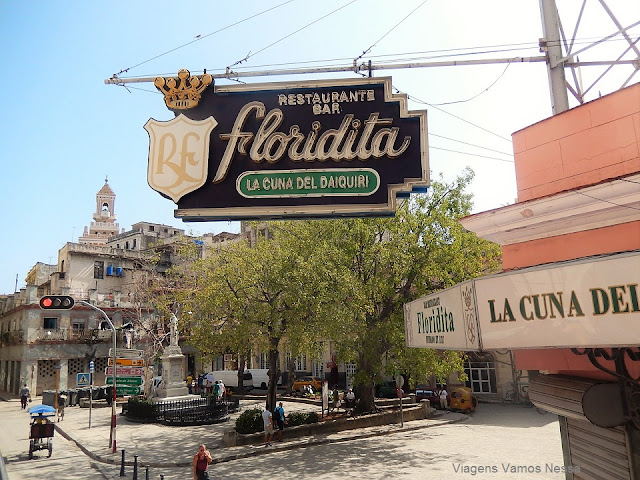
<point x="201" y="37"/>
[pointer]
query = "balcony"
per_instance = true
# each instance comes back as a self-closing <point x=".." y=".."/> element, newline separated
<point x="72" y="336"/>
<point x="12" y="338"/>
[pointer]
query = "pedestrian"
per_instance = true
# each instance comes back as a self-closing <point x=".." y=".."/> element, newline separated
<point x="221" y="391"/>
<point x="267" y="419"/>
<point x="24" y="396"/>
<point x="216" y="390"/>
<point x="201" y="461"/>
<point x="443" y="398"/>
<point x="351" y="398"/>
<point x="190" y="383"/>
<point x="279" y="414"/>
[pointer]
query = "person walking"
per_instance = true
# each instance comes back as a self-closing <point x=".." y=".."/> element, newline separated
<point x="443" y="398"/>
<point x="221" y="391"/>
<point x="24" y="396"/>
<point x="201" y="461"/>
<point x="279" y="414"/>
<point x="267" y="419"/>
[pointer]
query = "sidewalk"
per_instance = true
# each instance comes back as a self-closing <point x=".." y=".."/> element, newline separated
<point x="163" y="446"/>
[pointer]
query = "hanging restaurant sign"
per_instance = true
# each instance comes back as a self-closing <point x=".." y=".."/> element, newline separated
<point x="303" y="149"/>
<point x="588" y="302"/>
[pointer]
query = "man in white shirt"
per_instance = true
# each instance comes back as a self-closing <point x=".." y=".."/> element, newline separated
<point x="443" y="398"/>
<point x="267" y="418"/>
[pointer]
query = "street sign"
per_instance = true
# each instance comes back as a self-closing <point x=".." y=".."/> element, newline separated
<point x="128" y="390"/>
<point x="125" y="371"/>
<point x="91" y="367"/>
<point x="124" y="381"/>
<point x="83" y="379"/>
<point x="126" y="353"/>
<point x="131" y="362"/>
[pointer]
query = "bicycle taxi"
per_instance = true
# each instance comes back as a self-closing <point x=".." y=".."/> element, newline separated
<point x="41" y="429"/>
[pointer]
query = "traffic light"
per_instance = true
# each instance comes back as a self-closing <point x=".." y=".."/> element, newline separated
<point x="56" y="302"/>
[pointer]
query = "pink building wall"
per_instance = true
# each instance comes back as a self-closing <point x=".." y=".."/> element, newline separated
<point x="583" y="146"/>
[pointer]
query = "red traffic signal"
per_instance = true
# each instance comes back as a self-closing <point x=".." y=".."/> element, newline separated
<point x="56" y="302"/>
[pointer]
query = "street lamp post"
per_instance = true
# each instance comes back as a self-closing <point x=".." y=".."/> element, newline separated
<point x="112" y="435"/>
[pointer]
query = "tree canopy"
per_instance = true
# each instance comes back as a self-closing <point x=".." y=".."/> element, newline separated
<point x="345" y="280"/>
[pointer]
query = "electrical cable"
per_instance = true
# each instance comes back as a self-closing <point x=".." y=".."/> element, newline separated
<point x="249" y="55"/>
<point x="471" y="154"/>
<point x="470" y="144"/>
<point x="607" y="201"/>
<point x="201" y="37"/>
<point x="391" y="30"/>
<point x="417" y="100"/>
<point x="478" y="94"/>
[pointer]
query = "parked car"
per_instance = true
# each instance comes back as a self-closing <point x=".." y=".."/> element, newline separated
<point x="300" y="383"/>
<point x="260" y="377"/>
<point x="433" y="395"/>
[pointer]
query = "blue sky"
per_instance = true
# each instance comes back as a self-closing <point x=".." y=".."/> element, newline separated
<point x="64" y="130"/>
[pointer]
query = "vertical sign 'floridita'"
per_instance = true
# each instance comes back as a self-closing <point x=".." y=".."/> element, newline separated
<point x="304" y="149"/>
<point x="445" y="320"/>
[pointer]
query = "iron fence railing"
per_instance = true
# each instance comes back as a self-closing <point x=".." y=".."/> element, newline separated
<point x="197" y="411"/>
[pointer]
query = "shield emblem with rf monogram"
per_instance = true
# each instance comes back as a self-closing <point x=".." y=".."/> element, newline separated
<point x="178" y="155"/>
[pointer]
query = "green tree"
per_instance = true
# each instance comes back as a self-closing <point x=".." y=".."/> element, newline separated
<point x="391" y="261"/>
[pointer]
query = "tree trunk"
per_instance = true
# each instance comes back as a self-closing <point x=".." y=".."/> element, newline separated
<point x="274" y="373"/>
<point x="365" y="392"/>
<point x="241" y="365"/>
<point x="292" y="375"/>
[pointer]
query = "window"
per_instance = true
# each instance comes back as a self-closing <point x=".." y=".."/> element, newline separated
<point x="481" y="371"/>
<point x="50" y="323"/>
<point x="264" y="361"/>
<point x="126" y="247"/>
<point x="98" y="269"/>
<point x="134" y="243"/>
<point x="77" y="326"/>
<point x="151" y="229"/>
<point x="300" y="362"/>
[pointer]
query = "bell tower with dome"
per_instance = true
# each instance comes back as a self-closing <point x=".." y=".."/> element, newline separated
<point x="104" y="224"/>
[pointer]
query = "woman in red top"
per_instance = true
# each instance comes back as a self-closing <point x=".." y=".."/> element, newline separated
<point x="201" y="461"/>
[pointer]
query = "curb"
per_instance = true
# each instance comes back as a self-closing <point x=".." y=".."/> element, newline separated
<point x="256" y="451"/>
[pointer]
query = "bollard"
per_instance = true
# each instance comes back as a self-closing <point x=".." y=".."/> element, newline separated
<point x="122" y="465"/>
<point x="135" y="467"/>
<point x="146" y="474"/>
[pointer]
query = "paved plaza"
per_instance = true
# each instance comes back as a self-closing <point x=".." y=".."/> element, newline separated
<point x="495" y="439"/>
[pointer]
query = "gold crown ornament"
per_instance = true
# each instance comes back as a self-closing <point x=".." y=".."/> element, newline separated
<point x="183" y="92"/>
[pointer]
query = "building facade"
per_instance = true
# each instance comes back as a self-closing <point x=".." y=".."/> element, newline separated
<point x="576" y="224"/>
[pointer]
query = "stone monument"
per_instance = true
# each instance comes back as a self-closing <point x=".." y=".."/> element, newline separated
<point x="173" y="375"/>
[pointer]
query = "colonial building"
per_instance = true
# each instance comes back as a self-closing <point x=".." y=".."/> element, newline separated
<point x="41" y="348"/>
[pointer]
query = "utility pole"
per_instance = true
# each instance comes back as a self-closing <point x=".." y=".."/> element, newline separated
<point x="555" y="66"/>
<point x="112" y="436"/>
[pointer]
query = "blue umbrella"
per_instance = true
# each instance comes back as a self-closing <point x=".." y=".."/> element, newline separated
<point x="44" y="410"/>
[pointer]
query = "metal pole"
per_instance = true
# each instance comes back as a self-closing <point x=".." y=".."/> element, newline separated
<point x="229" y="74"/>
<point x="122" y="465"/>
<point x="112" y="435"/>
<point x="555" y="65"/>
<point x="90" y="396"/>
<point x="55" y="400"/>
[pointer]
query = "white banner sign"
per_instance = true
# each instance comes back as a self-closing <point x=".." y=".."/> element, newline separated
<point x="592" y="302"/>
<point x="127" y="353"/>
<point x="126" y="371"/>
<point x="445" y="320"/>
